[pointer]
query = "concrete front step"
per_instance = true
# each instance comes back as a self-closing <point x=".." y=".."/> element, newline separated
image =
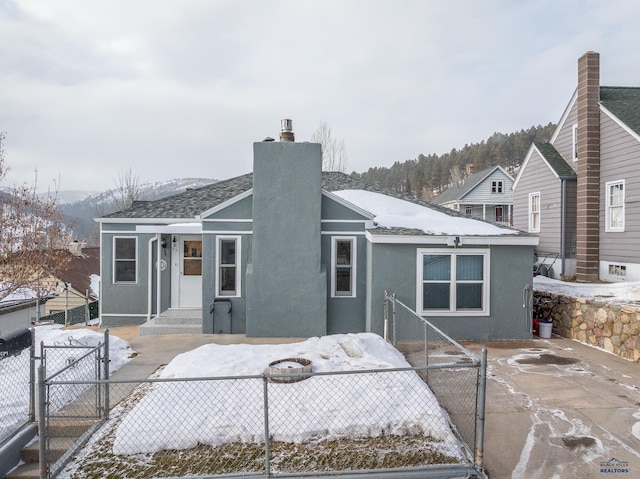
<point x="151" y="328"/>
<point x="76" y="428"/>
<point x="25" y="471"/>
<point x="57" y="447"/>
<point x="181" y="313"/>
<point x="177" y="320"/>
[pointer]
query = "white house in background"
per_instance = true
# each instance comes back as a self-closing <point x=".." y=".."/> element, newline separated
<point x="486" y="195"/>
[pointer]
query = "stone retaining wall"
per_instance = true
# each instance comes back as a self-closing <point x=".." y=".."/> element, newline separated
<point x="610" y="326"/>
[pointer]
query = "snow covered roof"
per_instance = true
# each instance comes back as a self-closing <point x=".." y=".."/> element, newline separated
<point x="395" y="213"/>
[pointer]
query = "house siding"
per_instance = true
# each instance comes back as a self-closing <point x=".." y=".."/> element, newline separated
<point x="481" y="194"/>
<point x="234" y="219"/>
<point x="539" y="178"/>
<point x="209" y="290"/>
<point x="619" y="156"/>
<point x="510" y="274"/>
<point x="125" y="303"/>
<point x="563" y="142"/>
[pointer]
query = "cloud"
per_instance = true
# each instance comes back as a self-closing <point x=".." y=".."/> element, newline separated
<point x="184" y="88"/>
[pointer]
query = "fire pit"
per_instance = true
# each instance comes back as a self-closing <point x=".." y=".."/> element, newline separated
<point x="289" y="370"/>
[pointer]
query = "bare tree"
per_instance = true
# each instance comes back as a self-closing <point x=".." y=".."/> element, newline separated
<point x="127" y="189"/>
<point x="33" y="238"/>
<point x="334" y="152"/>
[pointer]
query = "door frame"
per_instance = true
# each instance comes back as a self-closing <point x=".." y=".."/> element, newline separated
<point x="177" y="258"/>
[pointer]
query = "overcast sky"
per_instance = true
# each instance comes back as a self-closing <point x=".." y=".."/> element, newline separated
<point x="183" y="88"/>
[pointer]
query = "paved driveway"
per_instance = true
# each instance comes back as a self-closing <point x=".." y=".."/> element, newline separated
<point x="560" y="409"/>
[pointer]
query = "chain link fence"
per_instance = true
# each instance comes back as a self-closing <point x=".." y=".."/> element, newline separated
<point x="325" y="424"/>
<point x="77" y="315"/>
<point x="17" y="384"/>
<point x="421" y="421"/>
<point x="77" y="404"/>
<point x="456" y="376"/>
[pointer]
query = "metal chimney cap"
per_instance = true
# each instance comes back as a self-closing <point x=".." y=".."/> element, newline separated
<point x="286" y="125"/>
<point x="286" y="130"/>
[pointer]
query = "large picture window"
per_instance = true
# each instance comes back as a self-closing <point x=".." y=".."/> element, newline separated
<point x="125" y="251"/>
<point x="534" y="212"/>
<point x="343" y="269"/>
<point x="453" y="282"/>
<point x="614" y="213"/>
<point x="228" y="261"/>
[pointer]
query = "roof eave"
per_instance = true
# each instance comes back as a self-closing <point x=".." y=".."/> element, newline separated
<point x="447" y="240"/>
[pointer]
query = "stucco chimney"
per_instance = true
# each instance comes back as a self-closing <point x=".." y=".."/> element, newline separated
<point x="286" y="131"/>
<point x="588" y="185"/>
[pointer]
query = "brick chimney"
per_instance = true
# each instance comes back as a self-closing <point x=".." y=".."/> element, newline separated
<point x="588" y="199"/>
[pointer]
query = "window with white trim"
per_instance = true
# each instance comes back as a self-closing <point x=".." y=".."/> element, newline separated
<point x="614" y="212"/>
<point x="453" y="283"/>
<point x="574" y="145"/>
<point x="618" y="270"/>
<point x="125" y="262"/>
<point x="534" y="212"/>
<point x="228" y="266"/>
<point x="497" y="186"/>
<point x="343" y="267"/>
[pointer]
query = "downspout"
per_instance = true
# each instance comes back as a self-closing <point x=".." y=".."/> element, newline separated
<point x="150" y="275"/>
<point x="159" y="271"/>
<point x="563" y="225"/>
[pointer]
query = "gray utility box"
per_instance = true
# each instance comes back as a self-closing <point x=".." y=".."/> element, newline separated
<point x="221" y="311"/>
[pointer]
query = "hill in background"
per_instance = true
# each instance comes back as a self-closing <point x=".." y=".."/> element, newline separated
<point x="425" y="177"/>
<point x="82" y="212"/>
<point x="428" y="176"/>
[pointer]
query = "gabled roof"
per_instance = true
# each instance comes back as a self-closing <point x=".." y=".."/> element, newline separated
<point x="550" y="156"/>
<point x="624" y="103"/>
<point x="190" y="204"/>
<point x="460" y="190"/>
<point x="561" y="168"/>
<point x="80" y="268"/>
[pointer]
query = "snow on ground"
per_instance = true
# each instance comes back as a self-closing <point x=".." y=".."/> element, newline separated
<point x="95" y="284"/>
<point x="393" y="212"/>
<point x="625" y="292"/>
<point x="14" y="370"/>
<point x="320" y="407"/>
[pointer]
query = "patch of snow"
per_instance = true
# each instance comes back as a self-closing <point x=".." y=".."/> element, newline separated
<point x="18" y="295"/>
<point x="393" y="212"/>
<point x="218" y="411"/>
<point x="95" y="284"/>
<point x="627" y="292"/>
<point x="14" y="370"/>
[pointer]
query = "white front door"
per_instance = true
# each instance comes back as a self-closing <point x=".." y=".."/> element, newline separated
<point x="186" y="271"/>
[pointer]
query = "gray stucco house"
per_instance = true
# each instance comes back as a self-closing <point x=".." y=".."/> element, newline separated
<point x="578" y="191"/>
<point x="291" y="251"/>
<point x="486" y="194"/>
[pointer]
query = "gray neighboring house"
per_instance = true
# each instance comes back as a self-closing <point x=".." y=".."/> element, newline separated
<point x="291" y="251"/>
<point x="578" y="192"/>
<point x="486" y="195"/>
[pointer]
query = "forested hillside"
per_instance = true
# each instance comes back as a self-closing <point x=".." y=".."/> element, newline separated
<point x="428" y="176"/>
